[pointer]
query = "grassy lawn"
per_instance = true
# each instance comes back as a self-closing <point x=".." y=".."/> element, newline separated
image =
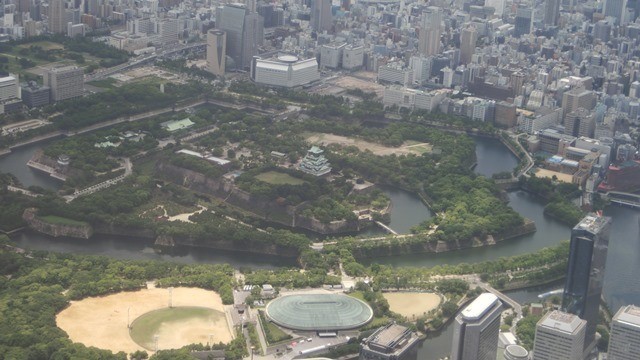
<point x="278" y="178"/>
<point x="107" y="83"/>
<point x="146" y="326"/>
<point x="273" y="333"/>
<point x="57" y="220"/>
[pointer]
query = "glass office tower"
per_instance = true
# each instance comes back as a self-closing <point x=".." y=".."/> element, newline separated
<point x="585" y="272"/>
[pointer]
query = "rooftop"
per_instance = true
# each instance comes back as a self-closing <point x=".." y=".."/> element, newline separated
<point x="390" y="335"/>
<point x="592" y="222"/>
<point x="479" y="306"/>
<point x="629" y="315"/>
<point x="312" y="312"/>
<point x="561" y="321"/>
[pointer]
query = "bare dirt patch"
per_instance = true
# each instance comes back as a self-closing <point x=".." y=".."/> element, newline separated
<point x="350" y="82"/>
<point x="412" y="305"/>
<point x="102" y="321"/>
<point x="544" y="173"/>
<point x="378" y="149"/>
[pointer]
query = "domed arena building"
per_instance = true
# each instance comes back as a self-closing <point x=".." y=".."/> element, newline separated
<point x="319" y="312"/>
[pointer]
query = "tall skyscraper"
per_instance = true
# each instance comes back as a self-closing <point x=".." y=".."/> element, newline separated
<point x="468" y="39"/>
<point x="430" y="31"/>
<point x="524" y="21"/>
<point x="57" y="17"/>
<point x="245" y="33"/>
<point x="624" y="341"/>
<point x="321" y="18"/>
<point x="585" y="272"/>
<point x="551" y="12"/>
<point x="216" y="50"/>
<point x="616" y="9"/>
<point x="252" y="37"/>
<point x="475" y="333"/>
<point x="559" y="336"/>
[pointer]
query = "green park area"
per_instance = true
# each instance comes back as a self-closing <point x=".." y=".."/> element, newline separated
<point x="279" y="178"/>
<point x="27" y="57"/>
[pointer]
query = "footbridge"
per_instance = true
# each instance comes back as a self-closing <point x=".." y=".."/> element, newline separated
<point x="386" y="228"/>
<point x="623" y="198"/>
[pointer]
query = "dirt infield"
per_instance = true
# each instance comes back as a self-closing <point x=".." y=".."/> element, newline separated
<point x="544" y="173"/>
<point x="378" y="149"/>
<point x="412" y="305"/>
<point x="102" y="321"/>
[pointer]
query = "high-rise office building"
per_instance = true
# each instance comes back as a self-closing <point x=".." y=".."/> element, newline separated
<point x="576" y="98"/>
<point x="321" y="17"/>
<point x="216" y="50"/>
<point x="245" y="33"/>
<point x="252" y="38"/>
<point x="559" y="336"/>
<point x="468" y="39"/>
<point x="57" y="17"/>
<point x="624" y="340"/>
<point x="476" y="328"/>
<point x="615" y="9"/>
<point x="585" y="272"/>
<point x="524" y="21"/>
<point x="551" y="12"/>
<point x="497" y="5"/>
<point x="430" y="31"/>
<point x="580" y="122"/>
<point x="65" y="82"/>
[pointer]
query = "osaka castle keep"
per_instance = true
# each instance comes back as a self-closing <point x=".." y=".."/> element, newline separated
<point x="315" y="163"/>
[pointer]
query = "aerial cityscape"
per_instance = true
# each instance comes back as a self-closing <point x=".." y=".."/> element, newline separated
<point x="320" y="179"/>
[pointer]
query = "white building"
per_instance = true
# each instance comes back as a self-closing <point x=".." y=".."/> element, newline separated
<point x="168" y="31"/>
<point x="331" y="55"/>
<point x="624" y="341"/>
<point x="412" y="98"/>
<point x="559" y="336"/>
<point x="421" y="67"/>
<point x="9" y="87"/>
<point x="395" y="73"/>
<point x="352" y="57"/>
<point x="475" y="333"/>
<point x="531" y="123"/>
<point x="65" y="82"/>
<point x="285" y="71"/>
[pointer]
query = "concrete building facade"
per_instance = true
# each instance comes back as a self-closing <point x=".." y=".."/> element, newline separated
<point x="216" y="50"/>
<point x="65" y="82"/>
<point x="559" y="336"/>
<point x="285" y="71"/>
<point x="624" y="341"/>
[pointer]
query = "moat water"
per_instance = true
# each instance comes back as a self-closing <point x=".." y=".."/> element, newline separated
<point x="622" y="285"/>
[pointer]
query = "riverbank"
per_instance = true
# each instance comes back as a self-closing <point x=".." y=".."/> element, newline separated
<point x="420" y="243"/>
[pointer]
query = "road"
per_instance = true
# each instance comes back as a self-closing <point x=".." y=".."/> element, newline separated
<point x="531" y="161"/>
<point x="128" y="170"/>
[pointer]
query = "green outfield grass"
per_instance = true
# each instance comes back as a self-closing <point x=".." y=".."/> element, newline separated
<point x="146" y="326"/>
<point x="278" y="178"/>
